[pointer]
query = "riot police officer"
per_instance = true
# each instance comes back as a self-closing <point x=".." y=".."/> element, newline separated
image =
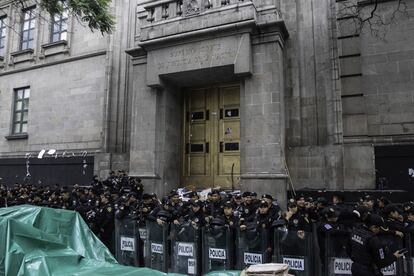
<point x="228" y="215"/>
<point x="329" y="225"/>
<point x="237" y="202"/>
<point x="213" y="207"/>
<point x="264" y="218"/>
<point x="146" y="206"/>
<point x="296" y="220"/>
<point x="367" y="252"/>
<point x="196" y="216"/>
<point x="394" y="219"/>
<point x="162" y="214"/>
<point x="248" y="208"/>
<point x="106" y="221"/>
<point x="274" y="209"/>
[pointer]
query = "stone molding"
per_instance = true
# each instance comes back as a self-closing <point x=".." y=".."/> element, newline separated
<point x="22" y="56"/>
<point x="55" y="48"/>
<point x="380" y="140"/>
<point x="90" y="55"/>
<point x="264" y="176"/>
<point x="146" y="176"/>
<point x="17" y="136"/>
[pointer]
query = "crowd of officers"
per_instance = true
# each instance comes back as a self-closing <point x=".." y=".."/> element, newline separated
<point x="121" y="196"/>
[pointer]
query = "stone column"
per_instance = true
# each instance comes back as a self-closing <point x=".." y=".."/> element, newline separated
<point x="262" y="122"/>
<point x="143" y="159"/>
<point x="155" y="131"/>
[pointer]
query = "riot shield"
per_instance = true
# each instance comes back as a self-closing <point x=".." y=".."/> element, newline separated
<point x="156" y="246"/>
<point x="391" y="244"/>
<point x="294" y="248"/>
<point x="218" y="249"/>
<point x="126" y="239"/>
<point x="409" y="244"/>
<point x="142" y="229"/>
<point x="336" y="261"/>
<point x="252" y="247"/>
<point x="186" y="249"/>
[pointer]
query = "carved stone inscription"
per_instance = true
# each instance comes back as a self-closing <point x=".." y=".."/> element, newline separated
<point x="195" y="56"/>
<point x="200" y="56"/>
<point x="210" y="53"/>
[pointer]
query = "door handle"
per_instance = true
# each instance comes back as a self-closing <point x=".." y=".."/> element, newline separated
<point x="221" y="146"/>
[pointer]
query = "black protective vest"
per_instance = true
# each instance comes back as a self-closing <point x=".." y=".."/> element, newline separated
<point x="359" y="246"/>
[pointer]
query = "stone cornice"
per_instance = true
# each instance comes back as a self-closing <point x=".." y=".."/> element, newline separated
<point x="90" y="55"/>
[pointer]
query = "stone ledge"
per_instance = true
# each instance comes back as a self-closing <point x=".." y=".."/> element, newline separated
<point x="136" y="52"/>
<point x="264" y="176"/>
<point x="55" y="48"/>
<point x="17" y="136"/>
<point x="371" y="2"/>
<point x="145" y="176"/>
<point x="51" y="63"/>
<point x="22" y="56"/>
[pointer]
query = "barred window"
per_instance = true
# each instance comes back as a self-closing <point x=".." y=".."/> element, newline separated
<point x="3" y="31"/>
<point x="60" y="26"/>
<point x="28" y="29"/>
<point x="21" y="110"/>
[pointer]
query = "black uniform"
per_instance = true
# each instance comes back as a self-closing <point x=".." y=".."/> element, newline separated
<point x="213" y="209"/>
<point x="367" y="253"/>
<point x="248" y="211"/>
<point x="196" y="218"/>
<point x="409" y="227"/>
<point x="395" y="225"/>
<point x="106" y="222"/>
<point x="299" y="222"/>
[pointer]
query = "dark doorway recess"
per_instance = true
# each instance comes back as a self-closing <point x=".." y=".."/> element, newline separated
<point x="394" y="166"/>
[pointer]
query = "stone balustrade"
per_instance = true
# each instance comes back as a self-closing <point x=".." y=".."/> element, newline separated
<point x="171" y="18"/>
<point x="168" y="9"/>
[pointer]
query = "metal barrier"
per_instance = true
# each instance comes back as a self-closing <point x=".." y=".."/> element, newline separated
<point x="186" y="249"/>
<point x="156" y="248"/>
<point x="126" y="242"/>
<point x="218" y="248"/>
<point x="253" y="246"/>
<point x="294" y="248"/>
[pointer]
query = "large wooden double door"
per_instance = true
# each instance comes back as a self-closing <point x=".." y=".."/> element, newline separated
<point x="211" y="150"/>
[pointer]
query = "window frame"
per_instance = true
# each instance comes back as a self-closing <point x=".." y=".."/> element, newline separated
<point x="23" y="109"/>
<point x="63" y="19"/>
<point x="25" y="43"/>
<point x="3" y="27"/>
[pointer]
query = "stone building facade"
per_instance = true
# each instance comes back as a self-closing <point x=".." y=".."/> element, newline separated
<point x="265" y="95"/>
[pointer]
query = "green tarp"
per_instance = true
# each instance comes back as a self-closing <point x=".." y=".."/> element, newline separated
<point x="44" y="241"/>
